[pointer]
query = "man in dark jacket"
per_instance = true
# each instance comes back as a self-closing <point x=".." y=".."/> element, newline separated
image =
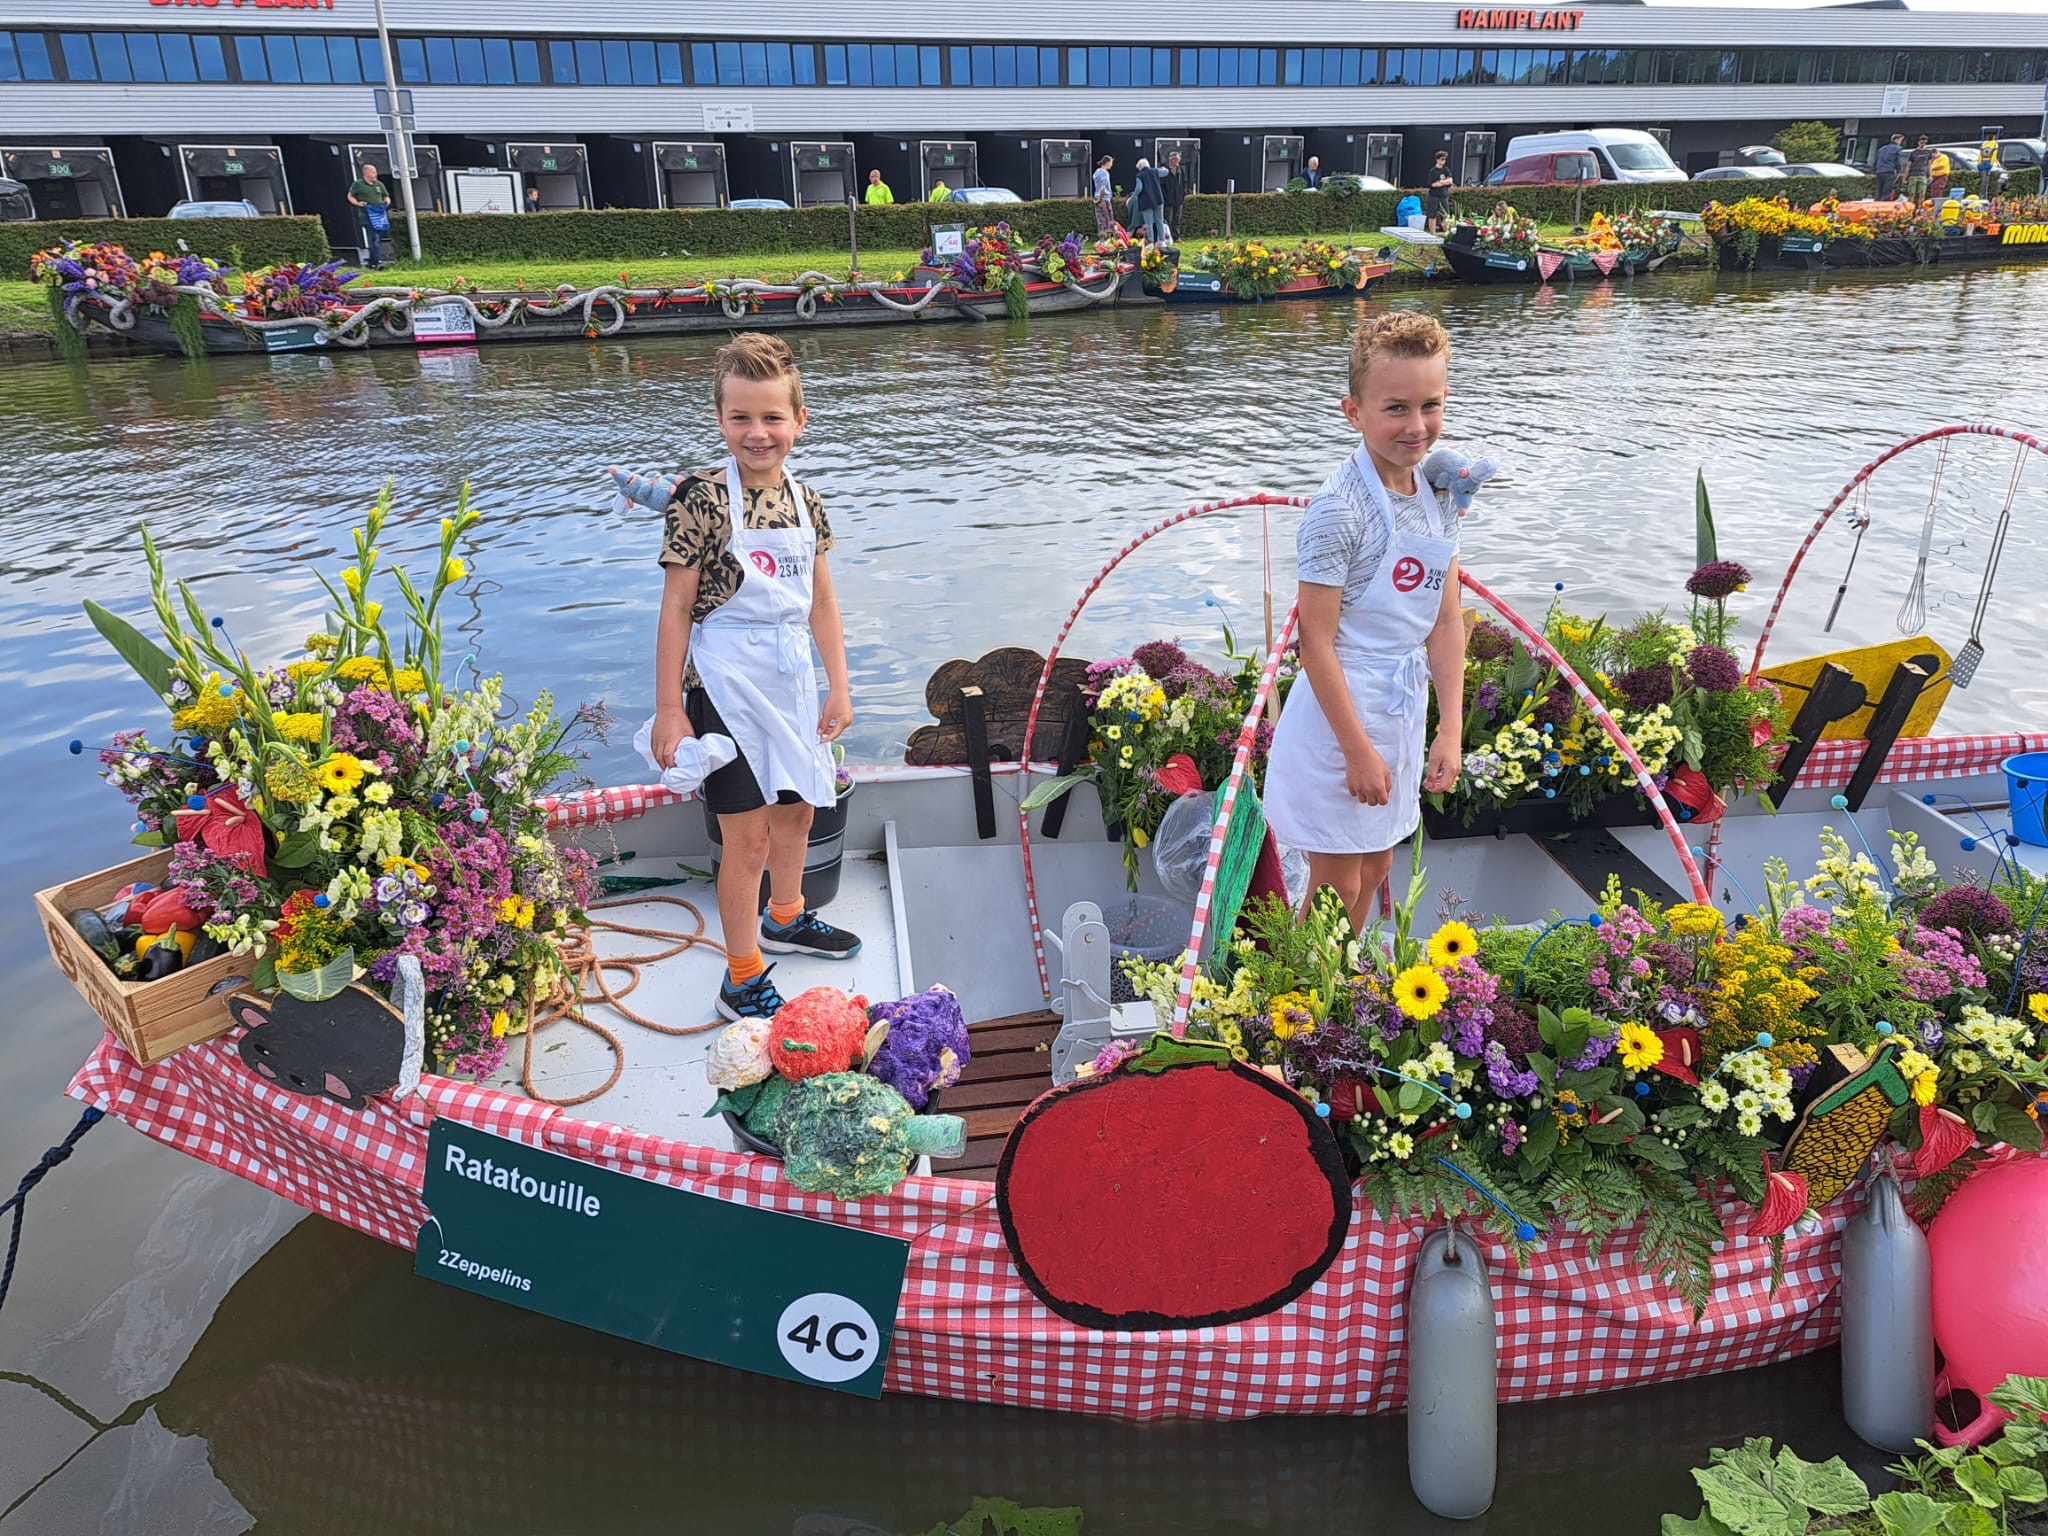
<point x="1314" y="174"/>
<point x="1890" y="165"/>
<point x="1175" y="184"/>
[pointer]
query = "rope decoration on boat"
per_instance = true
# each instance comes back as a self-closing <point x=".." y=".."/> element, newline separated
<point x="1939" y="434"/>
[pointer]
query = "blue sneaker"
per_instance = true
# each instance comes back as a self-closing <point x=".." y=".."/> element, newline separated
<point x="752" y="999"/>
<point x="808" y="935"/>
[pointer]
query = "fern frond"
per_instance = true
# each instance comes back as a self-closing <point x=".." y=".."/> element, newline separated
<point x="1680" y="1228"/>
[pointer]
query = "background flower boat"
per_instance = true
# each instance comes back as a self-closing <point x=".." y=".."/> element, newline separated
<point x="1505" y="249"/>
<point x="1250" y="272"/>
<point x="1769" y="234"/>
<point x="947" y="891"/>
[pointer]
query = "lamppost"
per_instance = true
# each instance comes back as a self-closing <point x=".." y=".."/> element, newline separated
<point x="397" y="123"/>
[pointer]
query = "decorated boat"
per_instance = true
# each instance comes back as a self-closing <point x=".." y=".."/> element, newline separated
<point x="1769" y="234"/>
<point x="194" y="307"/>
<point x="1201" y="1144"/>
<point x="1505" y="249"/>
<point x="1251" y="272"/>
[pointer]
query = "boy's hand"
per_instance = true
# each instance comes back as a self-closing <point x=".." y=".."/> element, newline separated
<point x="1445" y="757"/>
<point x="1367" y="777"/>
<point x="671" y="726"/>
<point x="837" y="717"/>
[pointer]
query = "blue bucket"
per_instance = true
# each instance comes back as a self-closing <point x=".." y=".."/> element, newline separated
<point x="2026" y="782"/>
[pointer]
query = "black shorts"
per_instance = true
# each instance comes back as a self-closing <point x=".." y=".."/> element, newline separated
<point x="1436" y="207"/>
<point x="733" y="789"/>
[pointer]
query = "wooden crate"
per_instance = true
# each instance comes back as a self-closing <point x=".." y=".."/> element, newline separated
<point x="151" y="1019"/>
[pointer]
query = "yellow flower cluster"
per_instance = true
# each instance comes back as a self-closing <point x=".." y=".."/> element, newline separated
<point x="300" y="725"/>
<point x="516" y="910"/>
<point x="1294" y="1013"/>
<point x="1767" y="216"/>
<point x="1693" y="920"/>
<point x="1757" y="990"/>
<point x="211" y="710"/>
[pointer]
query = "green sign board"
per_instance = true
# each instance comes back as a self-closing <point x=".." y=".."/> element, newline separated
<point x="689" y="162"/>
<point x="949" y="158"/>
<point x="292" y="338"/>
<point x="547" y="163"/>
<point x="231" y="168"/>
<point x="761" y="1290"/>
<point x="824" y="162"/>
<point x="60" y="167"/>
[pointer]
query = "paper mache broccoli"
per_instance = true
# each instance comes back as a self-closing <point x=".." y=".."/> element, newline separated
<point x="851" y="1135"/>
<point x="1451" y="471"/>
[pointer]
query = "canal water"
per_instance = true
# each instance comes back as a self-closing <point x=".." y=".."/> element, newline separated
<point x="184" y="1353"/>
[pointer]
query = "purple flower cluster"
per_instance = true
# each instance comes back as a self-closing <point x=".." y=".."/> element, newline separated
<point x="1504" y="1077"/>
<point x="1488" y="698"/>
<point x="212" y="882"/>
<point x="1802" y="927"/>
<point x="1645" y="687"/>
<point x="1159" y="658"/>
<point x="1468" y="1010"/>
<point x="926" y="1046"/>
<point x="1510" y="1136"/>
<point x="1968" y="909"/>
<point x="1718" y="580"/>
<point x="1489" y="641"/>
<point x="1713" y="669"/>
<point x="1557" y="706"/>
<point x="1938" y="964"/>
<point x="374" y="724"/>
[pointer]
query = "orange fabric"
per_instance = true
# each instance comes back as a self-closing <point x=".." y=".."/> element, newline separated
<point x="744" y="968"/>
<point x="783" y="913"/>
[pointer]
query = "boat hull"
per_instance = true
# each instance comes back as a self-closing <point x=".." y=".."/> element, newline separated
<point x="1206" y="288"/>
<point x="1474" y="266"/>
<point x="1797" y="253"/>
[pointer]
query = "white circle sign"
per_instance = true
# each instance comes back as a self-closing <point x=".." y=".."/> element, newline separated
<point x="828" y="1337"/>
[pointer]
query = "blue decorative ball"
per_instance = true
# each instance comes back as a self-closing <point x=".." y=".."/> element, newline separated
<point x="1322" y="1110"/>
<point x="1594" y="919"/>
<point x="1840" y="802"/>
<point x="138" y="826"/>
<point x="1559" y="586"/>
<point x="1525" y="1232"/>
<point x="196" y="802"/>
<point x="197" y="744"/>
<point x="219" y="622"/>
<point x="1642" y="1090"/>
<point x="1464" y="1111"/>
<point x="1884" y="1026"/>
<point x="76" y="747"/>
<point x="462" y="746"/>
<point x="322" y="902"/>
<point x="227" y="690"/>
<point x="1969" y="845"/>
<point x="479" y="816"/>
<point x="1764" y="1039"/>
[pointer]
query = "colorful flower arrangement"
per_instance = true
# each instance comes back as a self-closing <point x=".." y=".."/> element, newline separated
<point x="296" y="289"/>
<point x="75" y="274"/>
<point x="1642" y="1064"/>
<point x="1632" y="230"/>
<point x="1160" y="725"/>
<point x="1061" y="261"/>
<point x="1251" y="269"/>
<point x="334" y="812"/>
<point x="1506" y="231"/>
<point x="1700" y="728"/>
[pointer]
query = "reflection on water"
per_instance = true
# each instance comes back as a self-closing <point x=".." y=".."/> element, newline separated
<point x="977" y="478"/>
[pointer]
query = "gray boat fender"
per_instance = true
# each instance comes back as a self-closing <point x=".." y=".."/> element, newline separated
<point x="1887" y="1320"/>
<point x="1453" y="1387"/>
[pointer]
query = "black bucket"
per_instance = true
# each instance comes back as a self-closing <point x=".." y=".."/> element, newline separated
<point x="821" y="860"/>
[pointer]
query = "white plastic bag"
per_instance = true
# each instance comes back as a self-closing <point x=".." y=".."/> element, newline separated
<point x="697" y="758"/>
<point x="1180" y="848"/>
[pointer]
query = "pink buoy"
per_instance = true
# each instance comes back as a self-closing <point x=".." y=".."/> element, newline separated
<point x="1991" y="1287"/>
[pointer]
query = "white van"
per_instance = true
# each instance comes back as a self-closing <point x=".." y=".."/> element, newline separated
<point x="1626" y="154"/>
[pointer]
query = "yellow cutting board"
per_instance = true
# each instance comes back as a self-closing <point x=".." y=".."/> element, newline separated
<point x="1872" y="666"/>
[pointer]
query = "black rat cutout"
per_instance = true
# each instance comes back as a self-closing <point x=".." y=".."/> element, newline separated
<point x="347" y="1048"/>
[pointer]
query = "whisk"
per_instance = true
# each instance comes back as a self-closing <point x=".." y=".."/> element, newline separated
<point x="1913" y="611"/>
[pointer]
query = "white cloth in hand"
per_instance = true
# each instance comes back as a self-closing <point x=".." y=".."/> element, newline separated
<point x="697" y="758"/>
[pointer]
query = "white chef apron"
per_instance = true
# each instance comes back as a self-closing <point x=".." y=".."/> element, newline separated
<point x="753" y="652"/>
<point x="1380" y="645"/>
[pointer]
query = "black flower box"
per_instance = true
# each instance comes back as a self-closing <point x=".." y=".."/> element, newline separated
<point x="1536" y="816"/>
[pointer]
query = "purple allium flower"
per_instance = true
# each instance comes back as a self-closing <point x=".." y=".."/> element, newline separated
<point x="1718" y="579"/>
<point x="1557" y="705"/>
<point x="1968" y="909"/>
<point x="1489" y="641"/>
<point x="1645" y="687"/>
<point x="1713" y="668"/>
<point x="1159" y="658"/>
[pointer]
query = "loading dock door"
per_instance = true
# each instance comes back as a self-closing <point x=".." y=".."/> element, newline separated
<point x="1066" y="167"/>
<point x="1383" y="156"/>
<point x="1283" y="161"/>
<point x="561" y="172"/>
<point x="1476" y="163"/>
<point x="66" y="183"/>
<point x="823" y="173"/>
<point x="691" y="175"/>
<point x="252" y="173"/>
<point x="426" y="172"/>
<point x="956" y="162"/>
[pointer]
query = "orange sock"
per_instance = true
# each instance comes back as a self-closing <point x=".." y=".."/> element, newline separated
<point x="744" y="968"/>
<point x="783" y="913"/>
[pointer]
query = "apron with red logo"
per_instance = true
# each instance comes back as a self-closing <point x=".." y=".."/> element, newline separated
<point x="1380" y="644"/>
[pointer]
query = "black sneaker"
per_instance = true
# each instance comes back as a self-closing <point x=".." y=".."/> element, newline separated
<point x="808" y="935"/>
<point x="755" y="998"/>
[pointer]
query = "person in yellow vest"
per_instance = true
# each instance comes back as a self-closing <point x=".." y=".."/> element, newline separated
<point x="940" y="192"/>
<point x="878" y="190"/>
<point x="1938" y="170"/>
<point x="1988" y="168"/>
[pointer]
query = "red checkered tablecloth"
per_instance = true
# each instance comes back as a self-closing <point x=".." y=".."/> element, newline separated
<point x="967" y="1328"/>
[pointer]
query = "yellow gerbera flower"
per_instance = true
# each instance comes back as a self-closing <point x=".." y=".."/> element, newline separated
<point x="1925" y="1086"/>
<point x="1640" y="1047"/>
<point x="516" y="910"/>
<point x="2037" y="1006"/>
<point x="1452" y="943"/>
<point x="300" y="725"/>
<point x="1420" y="992"/>
<point x="340" y="774"/>
<point x="500" y="1022"/>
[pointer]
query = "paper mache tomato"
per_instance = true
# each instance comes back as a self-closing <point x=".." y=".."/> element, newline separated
<point x="1180" y="1190"/>
<point x="817" y="1032"/>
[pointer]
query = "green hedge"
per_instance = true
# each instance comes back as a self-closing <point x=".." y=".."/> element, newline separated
<point x="261" y="241"/>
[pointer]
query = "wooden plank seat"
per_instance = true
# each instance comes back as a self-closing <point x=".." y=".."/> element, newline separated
<point x="1011" y="1066"/>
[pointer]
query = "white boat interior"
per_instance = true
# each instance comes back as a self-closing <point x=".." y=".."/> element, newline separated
<point x="936" y="903"/>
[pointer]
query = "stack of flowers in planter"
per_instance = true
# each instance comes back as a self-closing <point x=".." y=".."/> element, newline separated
<point x="329" y="813"/>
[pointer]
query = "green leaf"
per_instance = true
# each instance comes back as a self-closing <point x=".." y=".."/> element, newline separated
<point x="318" y="985"/>
<point x="736" y="1101"/>
<point x="1982" y="1114"/>
<point x="1657" y="1152"/>
<point x="297" y="850"/>
<point x="1541" y="1143"/>
<point x="1968" y="1520"/>
<point x="1828" y="1486"/>
<point x="1979" y="1479"/>
<point x="1607" y="1135"/>
<point x="2022" y="1394"/>
<point x="2015" y="1128"/>
<point x="1544" y="1068"/>
<point x="149" y="840"/>
<point x="264" y="976"/>
<point x="1705" y="1525"/>
<point x="1678" y="1116"/>
<point x="1412" y="1098"/>
<point x="1163" y="1051"/>
<point x="1738" y="1497"/>
<point x="135" y="648"/>
<point x="2023" y="1485"/>
<point x="1705" y="550"/>
<point x="1044" y="794"/>
<point x="1908" y="1514"/>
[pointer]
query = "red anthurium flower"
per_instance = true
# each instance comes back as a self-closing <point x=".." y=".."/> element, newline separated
<point x="1178" y="775"/>
<point x="1348" y="1099"/>
<point x="226" y="826"/>
<point x="1943" y="1138"/>
<point x="1681" y="1054"/>
<point x="1785" y="1201"/>
<point x="1689" y="787"/>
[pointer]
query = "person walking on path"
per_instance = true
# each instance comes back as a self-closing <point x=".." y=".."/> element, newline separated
<point x="1890" y="166"/>
<point x="1988" y="168"/>
<point x="1314" y="174"/>
<point x="1148" y="204"/>
<point x="1105" y="211"/>
<point x="373" y="198"/>
<point x="1919" y="166"/>
<point x="878" y="190"/>
<point x="1175" y="183"/>
<point x="1438" y="209"/>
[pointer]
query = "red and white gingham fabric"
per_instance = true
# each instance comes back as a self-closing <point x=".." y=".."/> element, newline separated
<point x="1918" y="757"/>
<point x="967" y="1329"/>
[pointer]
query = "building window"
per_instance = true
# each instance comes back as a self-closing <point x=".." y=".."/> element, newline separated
<point x="77" y="50"/>
<point x="283" y="58"/>
<point x="25" y="56"/>
<point x="705" y="72"/>
<point x="344" y="61"/>
<point x="1208" y="71"/>
<point x="1077" y="66"/>
<point x="112" y="54"/>
<point x="668" y="63"/>
<point x="412" y="61"/>
<point x="145" y="59"/>
<point x="780" y="70"/>
<point x="313" y="61"/>
<point x="372" y="56"/>
<point x="1006" y="67"/>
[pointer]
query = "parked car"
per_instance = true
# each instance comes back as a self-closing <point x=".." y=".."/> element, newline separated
<point x="1338" y="179"/>
<point x="2017" y="154"/>
<point x="1625" y="154"/>
<point x="984" y="195"/>
<point x="1564" y="167"/>
<point x="1756" y="154"/>
<point x="1740" y="173"/>
<point x="759" y="202"/>
<point x="16" y="206"/>
<point x="1821" y="168"/>
<point x="241" y="208"/>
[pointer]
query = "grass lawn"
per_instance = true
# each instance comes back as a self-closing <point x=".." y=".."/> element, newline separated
<point x="652" y="272"/>
<point x="24" y="311"/>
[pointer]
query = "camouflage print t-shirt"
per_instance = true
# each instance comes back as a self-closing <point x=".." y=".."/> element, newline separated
<point x="697" y="534"/>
